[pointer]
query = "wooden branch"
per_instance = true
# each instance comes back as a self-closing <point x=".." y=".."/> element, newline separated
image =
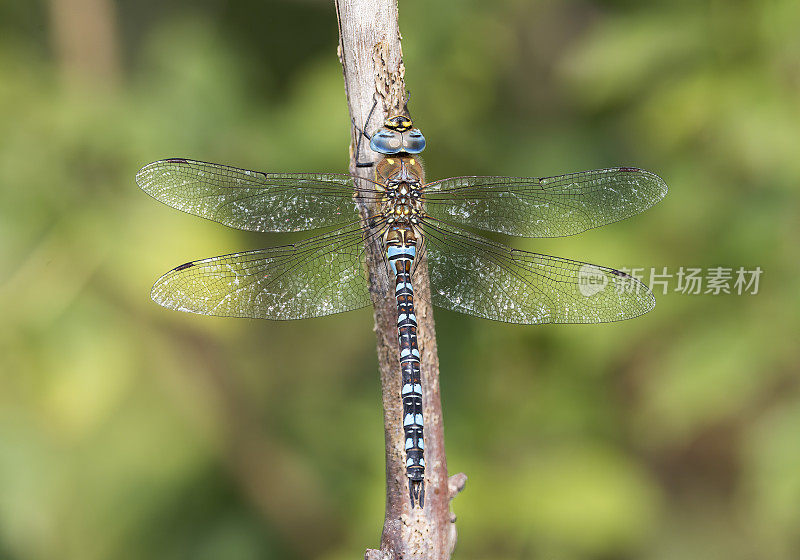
<point x="371" y="57"/>
<point x="85" y="36"/>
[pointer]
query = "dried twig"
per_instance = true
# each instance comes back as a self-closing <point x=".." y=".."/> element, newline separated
<point x="371" y="57"/>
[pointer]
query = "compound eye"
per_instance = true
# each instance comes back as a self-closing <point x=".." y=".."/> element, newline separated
<point x="386" y="142"/>
<point x="413" y="141"/>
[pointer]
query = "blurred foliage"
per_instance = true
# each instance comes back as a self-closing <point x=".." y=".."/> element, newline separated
<point x="129" y="432"/>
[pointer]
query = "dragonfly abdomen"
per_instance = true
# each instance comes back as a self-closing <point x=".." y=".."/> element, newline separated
<point x="400" y="252"/>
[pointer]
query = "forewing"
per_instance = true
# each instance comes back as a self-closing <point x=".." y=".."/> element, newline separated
<point x="252" y="200"/>
<point x="473" y="275"/>
<point x="320" y="276"/>
<point x="546" y="206"/>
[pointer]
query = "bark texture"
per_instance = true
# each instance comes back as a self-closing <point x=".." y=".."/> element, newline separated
<point x="371" y="57"/>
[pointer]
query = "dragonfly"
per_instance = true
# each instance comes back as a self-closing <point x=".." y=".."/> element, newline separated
<point x="327" y="273"/>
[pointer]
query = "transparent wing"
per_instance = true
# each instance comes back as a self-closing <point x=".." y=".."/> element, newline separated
<point x="546" y="206"/>
<point x="253" y="200"/>
<point x="319" y="276"/>
<point x="473" y="275"/>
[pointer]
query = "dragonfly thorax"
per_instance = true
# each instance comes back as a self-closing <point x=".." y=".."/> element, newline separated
<point x="400" y="169"/>
<point x="402" y="179"/>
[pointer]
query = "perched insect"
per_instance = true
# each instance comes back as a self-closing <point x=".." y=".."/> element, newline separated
<point x="326" y="274"/>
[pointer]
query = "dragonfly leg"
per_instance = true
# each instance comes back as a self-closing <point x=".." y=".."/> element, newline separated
<point x="363" y="134"/>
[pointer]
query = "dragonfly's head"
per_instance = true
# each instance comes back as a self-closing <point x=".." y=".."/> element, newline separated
<point x="398" y="123"/>
<point x="397" y="136"/>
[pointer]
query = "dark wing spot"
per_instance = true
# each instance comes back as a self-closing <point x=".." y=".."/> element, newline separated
<point x="184" y="266"/>
<point x="629" y="169"/>
<point x="176" y="160"/>
<point x="619" y="273"/>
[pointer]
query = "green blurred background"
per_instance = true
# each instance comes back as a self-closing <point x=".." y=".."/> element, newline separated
<point x="129" y="432"/>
